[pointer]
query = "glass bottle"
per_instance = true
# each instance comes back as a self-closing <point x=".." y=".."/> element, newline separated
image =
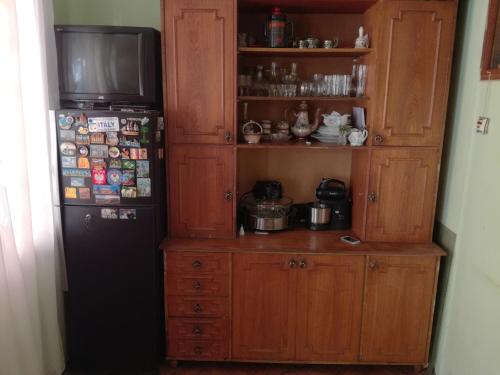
<point x="260" y="85"/>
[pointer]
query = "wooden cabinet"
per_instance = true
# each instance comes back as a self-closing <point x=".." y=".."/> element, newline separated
<point x="263" y="307"/>
<point x="329" y="299"/>
<point x="414" y="51"/>
<point x="398" y="308"/>
<point x="297" y="307"/>
<point x="201" y="191"/>
<point x="401" y="194"/>
<point x="199" y="47"/>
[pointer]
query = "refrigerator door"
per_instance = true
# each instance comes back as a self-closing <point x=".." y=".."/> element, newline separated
<point x="112" y="304"/>
<point x="109" y="158"/>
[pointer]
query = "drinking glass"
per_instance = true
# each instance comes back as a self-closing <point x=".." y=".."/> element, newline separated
<point x="360" y="88"/>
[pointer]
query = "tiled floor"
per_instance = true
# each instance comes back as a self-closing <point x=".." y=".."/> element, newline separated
<point x="186" y="368"/>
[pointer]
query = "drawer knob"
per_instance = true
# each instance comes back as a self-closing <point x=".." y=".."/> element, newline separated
<point x="198" y="350"/>
<point x="372" y="196"/>
<point x="374" y="265"/>
<point x="197" y="308"/>
<point x="378" y="139"/>
<point x="197" y="264"/>
<point x="197" y="331"/>
<point x="303" y="264"/>
<point x="228" y="195"/>
<point x="228" y="137"/>
<point x="292" y="263"/>
<point x="197" y="286"/>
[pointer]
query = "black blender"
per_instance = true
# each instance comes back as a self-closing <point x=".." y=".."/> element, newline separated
<point x="333" y="194"/>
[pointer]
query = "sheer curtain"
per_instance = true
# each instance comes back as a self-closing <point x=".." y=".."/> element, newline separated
<point x="30" y="334"/>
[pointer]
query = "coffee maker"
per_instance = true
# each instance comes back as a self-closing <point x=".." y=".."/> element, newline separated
<point x="333" y="194"/>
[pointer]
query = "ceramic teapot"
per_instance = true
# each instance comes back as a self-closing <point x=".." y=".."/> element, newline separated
<point x="336" y="119"/>
<point x="302" y="128"/>
<point x="357" y="137"/>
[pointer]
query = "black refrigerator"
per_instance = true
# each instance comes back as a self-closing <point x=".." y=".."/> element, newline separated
<point x="112" y="199"/>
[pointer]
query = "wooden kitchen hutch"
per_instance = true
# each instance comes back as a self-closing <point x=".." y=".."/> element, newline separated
<point x="303" y="296"/>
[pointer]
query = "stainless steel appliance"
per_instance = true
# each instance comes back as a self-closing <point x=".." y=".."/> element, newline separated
<point x="319" y="216"/>
<point x="334" y="194"/>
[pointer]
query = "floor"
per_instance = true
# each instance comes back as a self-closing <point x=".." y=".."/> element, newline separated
<point x="186" y="368"/>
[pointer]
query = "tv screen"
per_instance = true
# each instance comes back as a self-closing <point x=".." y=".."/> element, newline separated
<point x="97" y="63"/>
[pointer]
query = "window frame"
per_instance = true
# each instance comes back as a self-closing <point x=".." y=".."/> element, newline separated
<point x="489" y="38"/>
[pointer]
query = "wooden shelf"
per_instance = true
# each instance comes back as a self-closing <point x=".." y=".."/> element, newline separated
<point x="297" y="52"/>
<point x="296" y="145"/>
<point x="300" y="98"/>
<point x="310" y="6"/>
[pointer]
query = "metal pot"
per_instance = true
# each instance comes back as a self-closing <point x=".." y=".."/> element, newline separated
<point x="319" y="216"/>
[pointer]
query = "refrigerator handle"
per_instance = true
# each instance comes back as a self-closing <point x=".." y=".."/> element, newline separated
<point x="87" y="219"/>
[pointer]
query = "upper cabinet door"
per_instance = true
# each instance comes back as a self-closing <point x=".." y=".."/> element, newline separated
<point x="201" y="190"/>
<point x="398" y="307"/>
<point x="329" y="299"/>
<point x="200" y="39"/>
<point x="401" y="195"/>
<point x="414" y="62"/>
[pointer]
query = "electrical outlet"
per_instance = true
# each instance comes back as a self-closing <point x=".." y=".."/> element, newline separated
<point x="482" y="125"/>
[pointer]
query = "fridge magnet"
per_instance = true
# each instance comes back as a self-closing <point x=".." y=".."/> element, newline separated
<point x="97" y="138"/>
<point x="68" y="161"/>
<point x="107" y="199"/>
<point x="83" y="130"/>
<point x="84" y="193"/>
<point x="82" y="120"/>
<point x="68" y="149"/>
<point x="158" y="136"/>
<point x="143" y="153"/>
<point x="142" y="168"/>
<point x="77" y="182"/>
<point x="143" y="187"/>
<point x="115" y="163"/>
<point x="129" y="192"/>
<point x="114" y="152"/>
<point x="98" y="163"/>
<point x="128" y="164"/>
<point x="75" y="172"/>
<point x="128" y="213"/>
<point x="99" y="151"/>
<point x="114" y="177"/>
<point x="106" y="190"/>
<point x="62" y="123"/>
<point x="70" y="192"/>
<point x="112" y="138"/>
<point x="144" y="134"/>
<point x="134" y="153"/>
<point x="103" y="124"/>
<point x="82" y="139"/>
<point x="144" y="121"/>
<point x="125" y="153"/>
<point x="129" y="142"/>
<point x="83" y="151"/>
<point x="160" y="125"/>
<point x="67" y="135"/>
<point x="99" y="176"/>
<point x="109" y="213"/>
<point x="83" y="163"/>
<point x="128" y="178"/>
<point x="123" y="121"/>
<point x="131" y="127"/>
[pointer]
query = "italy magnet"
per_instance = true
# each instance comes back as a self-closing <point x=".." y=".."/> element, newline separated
<point x="114" y="152"/>
<point x="99" y="176"/>
<point x="103" y="124"/>
<point x="114" y="177"/>
<point x="68" y="149"/>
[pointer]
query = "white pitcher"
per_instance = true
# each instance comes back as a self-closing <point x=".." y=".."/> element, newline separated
<point x="357" y="137"/>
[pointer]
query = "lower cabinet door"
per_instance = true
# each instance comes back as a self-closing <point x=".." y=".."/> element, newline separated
<point x="398" y="309"/>
<point x="329" y="301"/>
<point x="264" y="298"/>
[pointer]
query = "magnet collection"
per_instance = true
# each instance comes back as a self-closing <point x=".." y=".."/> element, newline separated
<point x="105" y="159"/>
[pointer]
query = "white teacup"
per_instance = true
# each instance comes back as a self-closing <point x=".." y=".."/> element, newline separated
<point x="358" y="137"/>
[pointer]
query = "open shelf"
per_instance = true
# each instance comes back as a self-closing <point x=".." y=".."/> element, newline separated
<point x="300" y="98"/>
<point x="310" y="6"/>
<point x="297" y="52"/>
<point x="299" y="145"/>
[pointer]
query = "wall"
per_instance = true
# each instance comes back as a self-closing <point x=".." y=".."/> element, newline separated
<point x="144" y="13"/>
<point x="468" y="339"/>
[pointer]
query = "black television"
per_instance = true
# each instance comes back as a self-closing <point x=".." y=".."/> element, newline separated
<point x="108" y="65"/>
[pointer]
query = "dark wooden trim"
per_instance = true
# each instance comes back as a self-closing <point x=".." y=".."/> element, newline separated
<point x="489" y="37"/>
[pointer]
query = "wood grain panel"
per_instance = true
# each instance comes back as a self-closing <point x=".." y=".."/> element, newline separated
<point x="403" y="183"/>
<point x="397" y="314"/>
<point x="414" y="72"/>
<point x="187" y="306"/>
<point x="200" y="177"/>
<point x="263" y="307"/>
<point x="197" y="285"/>
<point x="329" y="299"/>
<point x="200" y="49"/>
<point x="197" y="263"/>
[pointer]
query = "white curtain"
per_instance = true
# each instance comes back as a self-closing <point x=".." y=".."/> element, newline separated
<point x="30" y="334"/>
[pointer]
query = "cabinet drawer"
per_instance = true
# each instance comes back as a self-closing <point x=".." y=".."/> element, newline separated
<point x="195" y="263"/>
<point x="197" y="306"/>
<point x="197" y="328"/>
<point x="197" y="349"/>
<point x="197" y="285"/>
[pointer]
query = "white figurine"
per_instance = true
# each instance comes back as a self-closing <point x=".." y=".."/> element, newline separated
<point x="362" y="40"/>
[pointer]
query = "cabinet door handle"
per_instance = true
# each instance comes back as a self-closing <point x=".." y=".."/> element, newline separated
<point x="228" y="137"/>
<point x="87" y="219"/>
<point x="372" y="196"/>
<point x="197" y="264"/>
<point x="292" y="263"/>
<point x="197" y="308"/>
<point x="198" y="350"/>
<point x="228" y="195"/>
<point x="373" y="265"/>
<point x="378" y="139"/>
<point x="303" y="264"/>
<point x="197" y="331"/>
<point x="197" y="285"/>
